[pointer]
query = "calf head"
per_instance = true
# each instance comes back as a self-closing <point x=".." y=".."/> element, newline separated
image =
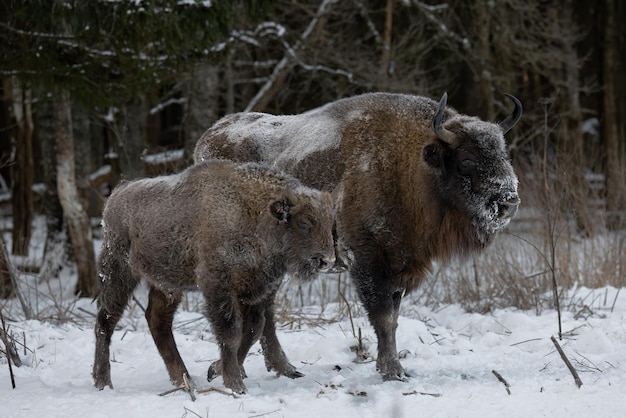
<point x="472" y="167"/>
<point x="306" y="222"/>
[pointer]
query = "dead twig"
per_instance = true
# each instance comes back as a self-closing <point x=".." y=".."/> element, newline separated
<point x="190" y="386"/>
<point x="265" y="413"/>
<point x="571" y="368"/>
<point x="218" y="390"/>
<point x="414" y="392"/>
<point x="5" y="337"/>
<point x="501" y="379"/>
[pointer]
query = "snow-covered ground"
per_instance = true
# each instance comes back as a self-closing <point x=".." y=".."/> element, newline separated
<point x="450" y="354"/>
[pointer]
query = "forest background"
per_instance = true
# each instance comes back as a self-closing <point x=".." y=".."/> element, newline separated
<point x="98" y="91"/>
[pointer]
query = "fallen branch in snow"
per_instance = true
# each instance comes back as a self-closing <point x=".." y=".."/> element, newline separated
<point x="571" y="368"/>
<point x="218" y="390"/>
<point x="501" y="379"/>
<point x="7" y="344"/>
<point x="200" y="391"/>
<point x="414" y="392"/>
<point x="188" y="386"/>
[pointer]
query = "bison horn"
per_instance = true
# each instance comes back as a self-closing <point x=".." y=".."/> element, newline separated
<point x="441" y="132"/>
<point x="514" y="117"/>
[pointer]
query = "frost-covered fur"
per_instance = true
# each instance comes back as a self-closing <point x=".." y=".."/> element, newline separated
<point x="231" y="231"/>
<point x="404" y="194"/>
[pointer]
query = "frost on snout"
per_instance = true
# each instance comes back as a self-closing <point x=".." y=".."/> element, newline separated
<point x="502" y="201"/>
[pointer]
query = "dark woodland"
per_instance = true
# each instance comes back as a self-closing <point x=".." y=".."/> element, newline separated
<point x="94" y="92"/>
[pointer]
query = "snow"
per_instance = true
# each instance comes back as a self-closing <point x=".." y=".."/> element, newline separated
<point x="449" y="353"/>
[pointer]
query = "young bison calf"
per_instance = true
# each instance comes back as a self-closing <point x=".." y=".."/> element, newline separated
<point x="231" y="231"/>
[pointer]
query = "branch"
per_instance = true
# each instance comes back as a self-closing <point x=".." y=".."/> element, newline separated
<point x="5" y="337"/>
<point x="501" y="379"/>
<point x="571" y="368"/>
<point x="429" y="13"/>
<point x="414" y="392"/>
<point x="284" y="66"/>
<point x="34" y="34"/>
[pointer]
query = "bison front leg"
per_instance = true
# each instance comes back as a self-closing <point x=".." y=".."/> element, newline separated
<point x="226" y="318"/>
<point x="160" y="314"/>
<point x="275" y="358"/>
<point x="253" y="322"/>
<point x="382" y="303"/>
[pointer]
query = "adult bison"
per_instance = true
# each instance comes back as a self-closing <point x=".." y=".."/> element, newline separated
<point x="230" y="231"/>
<point x="413" y="181"/>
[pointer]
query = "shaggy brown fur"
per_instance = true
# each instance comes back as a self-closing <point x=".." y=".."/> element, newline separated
<point x="230" y="231"/>
<point x="412" y="180"/>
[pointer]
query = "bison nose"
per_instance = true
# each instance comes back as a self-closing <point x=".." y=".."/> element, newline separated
<point x="508" y="208"/>
<point x="325" y="263"/>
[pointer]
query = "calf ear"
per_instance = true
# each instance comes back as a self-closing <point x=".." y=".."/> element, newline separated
<point x="280" y="210"/>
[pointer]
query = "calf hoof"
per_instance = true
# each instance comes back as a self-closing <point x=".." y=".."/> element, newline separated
<point x="101" y="383"/>
<point x="236" y="385"/>
<point x="102" y="379"/>
<point x="215" y="370"/>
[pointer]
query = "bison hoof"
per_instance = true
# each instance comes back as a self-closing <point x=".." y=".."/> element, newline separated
<point x="390" y="377"/>
<point x="294" y="374"/>
<point x="392" y="371"/>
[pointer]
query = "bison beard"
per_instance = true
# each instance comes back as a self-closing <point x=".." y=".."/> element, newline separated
<point x="412" y="180"/>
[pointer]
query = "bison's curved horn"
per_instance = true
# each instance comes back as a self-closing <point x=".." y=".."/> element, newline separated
<point x="441" y="132"/>
<point x="514" y="117"/>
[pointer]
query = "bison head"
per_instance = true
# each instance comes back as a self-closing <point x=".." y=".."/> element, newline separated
<point x="307" y="222"/>
<point x="472" y="166"/>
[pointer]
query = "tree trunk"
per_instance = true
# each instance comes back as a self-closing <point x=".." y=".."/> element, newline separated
<point x="571" y="149"/>
<point x="23" y="169"/>
<point x="483" y="64"/>
<point x="385" y="61"/>
<point x="75" y="215"/>
<point x="614" y="163"/>
<point x="6" y="272"/>
<point x="131" y="141"/>
<point x="201" y="88"/>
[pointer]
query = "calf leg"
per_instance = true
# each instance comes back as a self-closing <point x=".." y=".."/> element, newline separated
<point x="225" y="315"/>
<point x="116" y="285"/>
<point x="252" y="328"/>
<point x="160" y="314"/>
<point x="275" y="358"/>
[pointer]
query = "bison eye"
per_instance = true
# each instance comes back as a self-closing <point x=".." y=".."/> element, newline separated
<point x="304" y="224"/>
<point x="466" y="163"/>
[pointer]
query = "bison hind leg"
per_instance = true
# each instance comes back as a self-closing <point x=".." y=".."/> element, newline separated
<point x="116" y="285"/>
<point x="160" y="315"/>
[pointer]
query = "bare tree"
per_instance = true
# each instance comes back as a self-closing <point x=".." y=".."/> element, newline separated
<point x="615" y="163"/>
<point x="20" y="97"/>
<point x="6" y="273"/>
<point x="73" y="210"/>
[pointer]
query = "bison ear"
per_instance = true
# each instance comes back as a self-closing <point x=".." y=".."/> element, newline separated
<point x="433" y="154"/>
<point x="280" y="210"/>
